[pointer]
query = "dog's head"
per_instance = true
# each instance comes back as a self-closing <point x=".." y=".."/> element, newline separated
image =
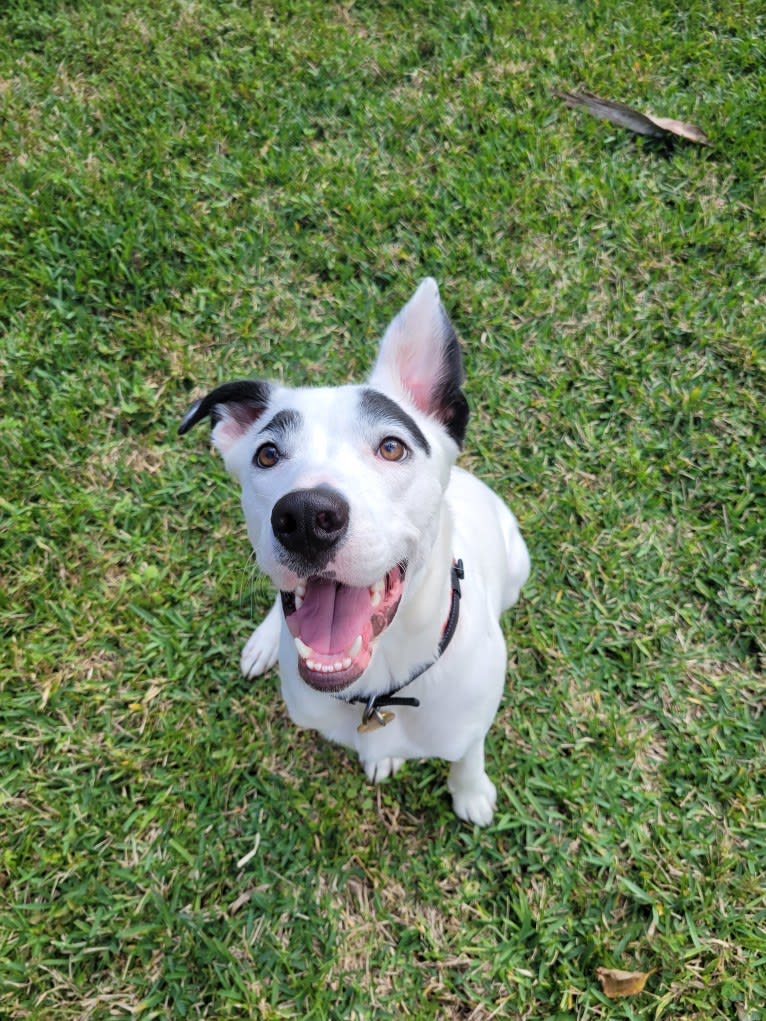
<point x="342" y="487"/>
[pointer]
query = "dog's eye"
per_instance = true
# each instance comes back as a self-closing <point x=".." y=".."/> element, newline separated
<point x="266" y="456"/>
<point x="392" y="449"/>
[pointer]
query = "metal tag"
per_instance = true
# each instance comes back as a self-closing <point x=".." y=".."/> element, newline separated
<point x="377" y="719"/>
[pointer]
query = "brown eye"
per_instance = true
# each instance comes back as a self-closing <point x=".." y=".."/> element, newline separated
<point x="266" y="456"/>
<point x="392" y="449"/>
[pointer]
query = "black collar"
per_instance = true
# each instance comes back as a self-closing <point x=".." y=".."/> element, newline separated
<point x="372" y="718"/>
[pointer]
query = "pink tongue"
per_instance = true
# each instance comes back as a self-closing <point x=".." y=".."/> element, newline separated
<point x="333" y="615"/>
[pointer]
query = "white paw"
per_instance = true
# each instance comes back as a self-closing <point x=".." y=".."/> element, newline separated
<point x="259" y="654"/>
<point x="378" y="770"/>
<point x="262" y="648"/>
<point x="475" y="804"/>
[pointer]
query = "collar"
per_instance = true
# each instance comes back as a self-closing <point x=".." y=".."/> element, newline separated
<point x="372" y="717"/>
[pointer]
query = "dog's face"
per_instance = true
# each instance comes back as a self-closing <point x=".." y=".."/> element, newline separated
<point x="341" y="487"/>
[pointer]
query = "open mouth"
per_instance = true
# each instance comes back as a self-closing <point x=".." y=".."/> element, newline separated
<point x="335" y="626"/>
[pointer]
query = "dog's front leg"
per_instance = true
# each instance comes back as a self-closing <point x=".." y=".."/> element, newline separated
<point x="378" y="770"/>
<point x="473" y="793"/>
<point x="262" y="648"/>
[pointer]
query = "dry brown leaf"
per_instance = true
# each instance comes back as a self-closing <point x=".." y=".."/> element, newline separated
<point x="617" y="983"/>
<point x="689" y="131"/>
<point x="626" y="117"/>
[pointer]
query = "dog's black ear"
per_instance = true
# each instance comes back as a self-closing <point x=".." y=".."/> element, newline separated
<point x="232" y="407"/>
<point x="420" y="357"/>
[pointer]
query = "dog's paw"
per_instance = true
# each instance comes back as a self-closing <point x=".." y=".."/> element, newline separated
<point x="475" y="804"/>
<point x="259" y="654"/>
<point x="262" y="648"/>
<point x="378" y="770"/>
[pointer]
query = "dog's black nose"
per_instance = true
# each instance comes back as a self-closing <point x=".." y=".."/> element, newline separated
<point x="310" y="521"/>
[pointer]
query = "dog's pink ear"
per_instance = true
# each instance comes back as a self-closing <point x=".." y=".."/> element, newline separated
<point x="420" y="356"/>
<point x="232" y="407"/>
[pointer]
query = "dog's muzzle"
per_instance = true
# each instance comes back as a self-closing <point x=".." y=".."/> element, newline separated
<point x="335" y="625"/>
<point x="310" y="522"/>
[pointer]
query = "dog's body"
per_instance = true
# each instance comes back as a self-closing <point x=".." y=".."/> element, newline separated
<point x="358" y="516"/>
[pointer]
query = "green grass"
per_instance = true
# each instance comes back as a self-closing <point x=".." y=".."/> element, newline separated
<point x="193" y="191"/>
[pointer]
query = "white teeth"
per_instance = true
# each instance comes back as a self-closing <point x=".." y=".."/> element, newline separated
<point x="355" y="647"/>
<point x="300" y="589"/>
<point x="304" y="651"/>
<point x="376" y="592"/>
<point x="298" y="601"/>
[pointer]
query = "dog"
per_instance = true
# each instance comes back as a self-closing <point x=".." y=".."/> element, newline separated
<point x="392" y="565"/>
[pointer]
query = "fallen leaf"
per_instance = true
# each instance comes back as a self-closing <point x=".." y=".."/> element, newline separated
<point x="617" y="983"/>
<point x="689" y="131"/>
<point x="634" y="120"/>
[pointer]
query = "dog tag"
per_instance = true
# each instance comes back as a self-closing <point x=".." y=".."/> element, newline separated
<point x="378" y="718"/>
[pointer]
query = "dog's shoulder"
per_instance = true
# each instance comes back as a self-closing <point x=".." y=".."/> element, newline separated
<point x="487" y="538"/>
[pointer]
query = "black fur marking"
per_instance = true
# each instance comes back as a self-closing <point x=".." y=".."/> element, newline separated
<point x="377" y="407"/>
<point x="245" y="400"/>
<point x="453" y="411"/>
<point x="283" y="423"/>
<point x="449" y="402"/>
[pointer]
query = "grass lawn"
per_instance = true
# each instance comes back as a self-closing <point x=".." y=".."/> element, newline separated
<point x="197" y="190"/>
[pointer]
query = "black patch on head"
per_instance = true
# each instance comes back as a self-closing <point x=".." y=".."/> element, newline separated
<point x="377" y="407"/>
<point x="448" y="400"/>
<point x="244" y="399"/>
<point x="284" y="422"/>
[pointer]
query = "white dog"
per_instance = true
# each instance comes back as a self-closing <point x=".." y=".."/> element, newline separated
<point x="393" y="566"/>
